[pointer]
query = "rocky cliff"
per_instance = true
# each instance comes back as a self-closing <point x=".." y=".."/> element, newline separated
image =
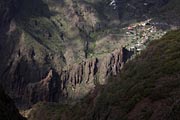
<point x="53" y="50"/>
<point x="42" y="36"/>
<point x="77" y="80"/>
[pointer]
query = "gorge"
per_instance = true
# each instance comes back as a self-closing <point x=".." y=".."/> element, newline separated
<point x="61" y="51"/>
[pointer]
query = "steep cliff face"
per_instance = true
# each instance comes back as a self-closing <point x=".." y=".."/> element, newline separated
<point x="42" y="35"/>
<point x="78" y="80"/>
<point x="8" y="110"/>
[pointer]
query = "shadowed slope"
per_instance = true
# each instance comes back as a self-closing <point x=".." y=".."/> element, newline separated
<point x="8" y="110"/>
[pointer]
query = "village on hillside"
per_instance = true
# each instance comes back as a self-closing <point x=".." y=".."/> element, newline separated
<point x="140" y="34"/>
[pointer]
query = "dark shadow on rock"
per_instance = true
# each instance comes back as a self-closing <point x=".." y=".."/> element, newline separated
<point x="33" y="8"/>
<point x="8" y="110"/>
<point x="8" y="10"/>
<point x="127" y="55"/>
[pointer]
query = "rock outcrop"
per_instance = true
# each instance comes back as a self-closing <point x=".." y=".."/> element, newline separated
<point x="42" y="42"/>
<point x="76" y="80"/>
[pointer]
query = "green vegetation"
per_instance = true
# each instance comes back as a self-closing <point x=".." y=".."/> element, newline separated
<point x="151" y="79"/>
<point x="47" y="111"/>
<point x="153" y="74"/>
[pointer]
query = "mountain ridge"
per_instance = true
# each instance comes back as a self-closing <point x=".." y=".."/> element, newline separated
<point x="44" y="35"/>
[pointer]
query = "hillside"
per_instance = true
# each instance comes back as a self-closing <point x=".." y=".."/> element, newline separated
<point x="90" y="59"/>
<point x="148" y="88"/>
<point x="60" y="51"/>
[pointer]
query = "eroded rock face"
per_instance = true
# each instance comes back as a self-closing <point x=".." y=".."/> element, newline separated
<point x="48" y="89"/>
<point x="44" y="38"/>
<point x="76" y="80"/>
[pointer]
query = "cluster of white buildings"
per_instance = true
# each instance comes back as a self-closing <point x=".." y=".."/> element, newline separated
<point x="141" y="33"/>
